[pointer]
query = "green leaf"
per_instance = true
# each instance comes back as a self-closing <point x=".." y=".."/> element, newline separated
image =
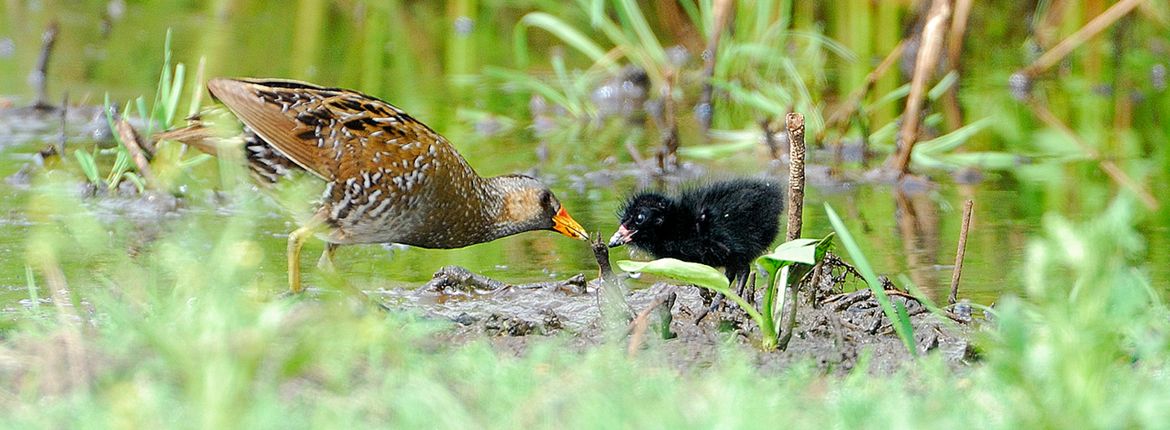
<point x="806" y="251"/>
<point x="88" y="166"/>
<point x="699" y="274"/>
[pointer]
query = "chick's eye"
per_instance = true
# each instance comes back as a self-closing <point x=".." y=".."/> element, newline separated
<point x="640" y="218"/>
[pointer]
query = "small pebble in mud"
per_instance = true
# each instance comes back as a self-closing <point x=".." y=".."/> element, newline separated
<point x="962" y="310"/>
<point x="464" y="319"/>
<point x="499" y="325"/>
<point x="503" y="325"/>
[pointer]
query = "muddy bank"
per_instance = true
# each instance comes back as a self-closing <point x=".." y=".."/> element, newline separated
<point x="835" y="334"/>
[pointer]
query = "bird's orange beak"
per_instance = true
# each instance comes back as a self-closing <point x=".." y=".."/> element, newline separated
<point x="566" y="225"/>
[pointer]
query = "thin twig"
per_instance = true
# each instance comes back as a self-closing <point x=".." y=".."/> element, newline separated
<point x="795" y="124"/>
<point x="950" y="101"/>
<point x="39" y="78"/>
<point x="640" y="323"/>
<point x="667" y="156"/>
<point x="612" y="297"/>
<point x="64" y="117"/>
<point x="635" y="155"/>
<point x="722" y="15"/>
<point x="815" y="283"/>
<point x="954" y="297"/>
<point x="1062" y="49"/>
<point x="924" y="67"/>
<point x="770" y="138"/>
<point x="853" y="102"/>
<point x="133" y="143"/>
<point x="1108" y="166"/>
<point x="958" y="29"/>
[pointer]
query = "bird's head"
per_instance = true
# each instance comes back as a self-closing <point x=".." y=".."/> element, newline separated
<point x="641" y="219"/>
<point x="530" y="205"/>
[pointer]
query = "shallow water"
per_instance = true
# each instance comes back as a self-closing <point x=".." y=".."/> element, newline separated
<point x="912" y="237"/>
<point x="871" y="211"/>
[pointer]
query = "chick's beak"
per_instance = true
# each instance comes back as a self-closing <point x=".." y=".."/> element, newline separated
<point x="566" y="225"/>
<point x="621" y="237"/>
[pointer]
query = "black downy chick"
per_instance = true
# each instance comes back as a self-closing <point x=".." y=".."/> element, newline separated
<point x="727" y="223"/>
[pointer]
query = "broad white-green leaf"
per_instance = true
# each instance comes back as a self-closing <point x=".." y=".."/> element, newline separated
<point x="694" y="273"/>
<point x="806" y="251"/>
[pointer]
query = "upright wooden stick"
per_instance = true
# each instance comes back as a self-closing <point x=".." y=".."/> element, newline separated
<point x="954" y="297"/>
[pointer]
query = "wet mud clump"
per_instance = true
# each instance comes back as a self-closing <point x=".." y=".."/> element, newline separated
<point x="838" y="319"/>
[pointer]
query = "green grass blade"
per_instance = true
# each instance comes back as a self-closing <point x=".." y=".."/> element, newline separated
<point x="33" y="291"/>
<point x="526" y="82"/>
<point x="900" y="320"/>
<point x="88" y="166"/>
<point x="561" y="30"/>
<point x="648" y="41"/>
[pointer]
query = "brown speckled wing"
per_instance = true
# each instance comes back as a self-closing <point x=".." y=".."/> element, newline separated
<point x="331" y="132"/>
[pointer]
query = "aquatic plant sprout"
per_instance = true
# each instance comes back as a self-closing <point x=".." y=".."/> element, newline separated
<point x="802" y="252"/>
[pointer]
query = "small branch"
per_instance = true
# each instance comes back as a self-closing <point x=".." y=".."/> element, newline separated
<point x="641" y="322"/>
<point x="612" y="297"/>
<point x="667" y="156"/>
<point x="951" y="108"/>
<point x="954" y="297"/>
<point x="635" y="155"/>
<point x="770" y="138"/>
<point x="924" y="66"/>
<point x="1108" y="166"/>
<point x="134" y="146"/>
<point x="601" y="254"/>
<point x="957" y="30"/>
<point x="64" y="117"/>
<point x="815" y="283"/>
<point x="853" y="102"/>
<point x="795" y="124"/>
<point x="39" y="79"/>
<point x="1075" y="40"/>
<point x="706" y="104"/>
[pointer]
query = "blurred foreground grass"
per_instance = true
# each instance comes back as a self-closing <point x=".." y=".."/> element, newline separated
<point x="185" y="334"/>
<point x="169" y="321"/>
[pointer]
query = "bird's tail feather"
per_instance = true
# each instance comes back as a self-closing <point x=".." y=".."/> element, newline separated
<point x="201" y="133"/>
